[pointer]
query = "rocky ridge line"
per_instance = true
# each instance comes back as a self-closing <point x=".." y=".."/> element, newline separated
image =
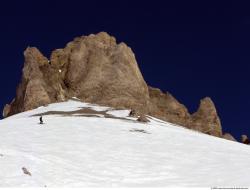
<point x="96" y="69"/>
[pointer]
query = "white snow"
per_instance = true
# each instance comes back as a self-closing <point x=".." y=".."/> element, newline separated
<point x="119" y="113"/>
<point x="76" y="151"/>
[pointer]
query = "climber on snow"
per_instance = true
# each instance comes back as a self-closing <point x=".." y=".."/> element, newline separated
<point x="41" y="119"/>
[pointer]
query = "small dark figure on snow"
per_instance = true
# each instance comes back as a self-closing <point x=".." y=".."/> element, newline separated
<point x="25" y="171"/>
<point x="41" y="120"/>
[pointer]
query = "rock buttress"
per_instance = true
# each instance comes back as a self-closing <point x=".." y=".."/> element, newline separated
<point x="96" y="69"/>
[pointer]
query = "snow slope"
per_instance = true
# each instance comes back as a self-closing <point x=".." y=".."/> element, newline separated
<point x="76" y="150"/>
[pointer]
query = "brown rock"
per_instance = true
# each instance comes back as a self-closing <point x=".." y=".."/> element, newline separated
<point x="96" y="69"/>
<point x="166" y="107"/>
<point x="134" y="113"/>
<point x="245" y="139"/>
<point x="93" y="68"/>
<point x="103" y="72"/>
<point x="6" y="110"/>
<point x="228" y="136"/>
<point x="38" y="84"/>
<point x="143" y="119"/>
<point x="206" y="118"/>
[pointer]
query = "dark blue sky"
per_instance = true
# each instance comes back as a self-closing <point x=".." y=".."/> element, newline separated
<point x="192" y="49"/>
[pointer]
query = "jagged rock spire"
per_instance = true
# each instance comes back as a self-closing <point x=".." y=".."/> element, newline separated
<point x="206" y="118"/>
<point x="96" y="69"/>
<point x="93" y="68"/>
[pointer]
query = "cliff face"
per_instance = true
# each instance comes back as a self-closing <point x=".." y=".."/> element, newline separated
<point x="206" y="118"/>
<point x="96" y="69"/>
<point x="93" y="68"/>
<point x="166" y="107"/>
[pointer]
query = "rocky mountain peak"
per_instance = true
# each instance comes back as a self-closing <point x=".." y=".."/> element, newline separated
<point x="206" y="118"/>
<point x="96" y="69"/>
<point x="93" y="68"/>
<point x="206" y="106"/>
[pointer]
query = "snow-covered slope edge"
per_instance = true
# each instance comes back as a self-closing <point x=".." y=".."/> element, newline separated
<point x="88" y="149"/>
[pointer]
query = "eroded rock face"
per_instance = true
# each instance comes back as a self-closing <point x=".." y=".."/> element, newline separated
<point x="93" y="68"/>
<point x="96" y="69"/>
<point x="40" y="83"/>
<point x="206" y="118"/>
<point x="245" y="139"/>
<point x="6" y="110"/>
<point x="143" y="119"/>
<point x="166" y="107"/>
<point x="228" y="136"/>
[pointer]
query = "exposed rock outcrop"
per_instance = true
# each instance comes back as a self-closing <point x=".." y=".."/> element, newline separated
<point x="93" y="68"/>
<point x="6" y="110"/>
<point x="245" y="139"/>
<point x="96" y="69"/>
<point x="143" y="119"/>
<point x="166" y="107"/>
<point x="228" y="136"/>
<point x="134" y="113"/>
<point x="206" y="118"/>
